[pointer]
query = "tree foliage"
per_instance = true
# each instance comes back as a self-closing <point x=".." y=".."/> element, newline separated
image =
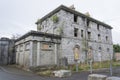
<point x="116" y="48"/>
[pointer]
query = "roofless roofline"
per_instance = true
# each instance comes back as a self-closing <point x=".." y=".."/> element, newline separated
<point x="40" y="34"/>
<point x="62" y="7"/>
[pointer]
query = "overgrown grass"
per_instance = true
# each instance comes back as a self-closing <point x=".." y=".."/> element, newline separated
<point x="116" y="64"/>
<point x="45" y="73"/>
<point x="95" y="65"/>
<point x="81" y="67"/>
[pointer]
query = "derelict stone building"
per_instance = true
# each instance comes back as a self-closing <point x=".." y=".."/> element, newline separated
<point x="79" y="30"/>
<point x="71" y="34"/>
<point x="7" y="53"/>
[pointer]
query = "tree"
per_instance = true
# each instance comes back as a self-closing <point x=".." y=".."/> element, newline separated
<point x="116" y="48"/>
<point x="15" y="36"/>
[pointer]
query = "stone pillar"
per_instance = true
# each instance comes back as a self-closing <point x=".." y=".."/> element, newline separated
<point x="38" y="53"/>
<point x="31" y="52"/>
<point x="23" y="55"/>
<point x="17" y="54"/>
<point x="55" y="51"/>
<point x="113" y="78"/>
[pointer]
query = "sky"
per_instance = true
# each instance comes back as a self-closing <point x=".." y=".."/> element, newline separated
<point x="19" y="16"/>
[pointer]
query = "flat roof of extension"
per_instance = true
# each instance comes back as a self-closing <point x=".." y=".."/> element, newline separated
<point x="62" y="7"/>
<point x="40" y="34"/>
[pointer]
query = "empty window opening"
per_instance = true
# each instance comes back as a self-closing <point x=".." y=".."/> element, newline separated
<point x="81" y="33"/>
<point x="108" y="49"/>
<point x="75" y="18"/>
<point x="99" y="37"/>
<point x="83" y="19"/>
<point x="88" y="22"/>
<point x="98" y="27"/>
<point x="75" y="32"/>
<point x="106" y="38"/>
<point x="89" y="35"/>
<point x="100" y="48"/>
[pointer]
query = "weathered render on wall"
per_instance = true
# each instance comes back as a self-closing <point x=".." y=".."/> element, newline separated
<point x="90" y="34"/>
<point x="37" y="49"/>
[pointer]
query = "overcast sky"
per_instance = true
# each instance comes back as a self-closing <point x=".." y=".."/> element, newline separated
<point x="19" y="16"/>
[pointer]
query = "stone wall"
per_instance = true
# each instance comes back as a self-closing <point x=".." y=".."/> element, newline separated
<point x="33" y="51"/>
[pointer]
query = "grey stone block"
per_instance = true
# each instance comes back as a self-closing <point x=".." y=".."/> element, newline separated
<point x="97" y="77"/>
<point x="113" y="78"/>
<point x="62" y="73"/>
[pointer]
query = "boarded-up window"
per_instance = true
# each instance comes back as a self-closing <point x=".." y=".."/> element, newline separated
<point x="47" y="46"/>
<point x="76" y="52"/>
